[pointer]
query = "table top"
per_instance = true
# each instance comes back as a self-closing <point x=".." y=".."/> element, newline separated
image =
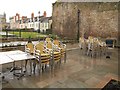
<point x="11" y="52"/>
<point x="4" y="59"/>
<point x="19" y="57"/>
<point x="11" y="56"/>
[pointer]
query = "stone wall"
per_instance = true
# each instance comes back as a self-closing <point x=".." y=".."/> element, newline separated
<point x="96" y="19"/>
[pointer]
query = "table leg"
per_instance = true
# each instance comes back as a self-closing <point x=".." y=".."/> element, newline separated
<point x="19" y="75"/>
<point x="34" y="66"/>
<point x="39" y="64"/>
<point x="30" y="67"/>
<point x="65" y="57"/>
<point x="26" y="61"/>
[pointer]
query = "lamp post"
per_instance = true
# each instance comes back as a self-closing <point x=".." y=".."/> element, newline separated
<point x="39" y="20"/>
<point x="6" y="32"/>
<point x="20" y="33"/>
<point x="78" y="32"/>
<point x="39" y="24"/>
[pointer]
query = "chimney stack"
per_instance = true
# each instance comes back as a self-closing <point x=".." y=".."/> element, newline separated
<point x="44" y="14"/>
<point x="24" y="17"/>
<point x="17" y="16"/>
<point x="32" y="15"/>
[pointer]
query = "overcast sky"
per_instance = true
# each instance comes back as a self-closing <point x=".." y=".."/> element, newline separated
<point x="25" y="7"/>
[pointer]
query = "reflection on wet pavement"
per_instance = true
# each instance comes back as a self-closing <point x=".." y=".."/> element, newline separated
<point x="80" y="71"/>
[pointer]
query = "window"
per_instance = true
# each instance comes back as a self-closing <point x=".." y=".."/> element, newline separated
<point x="42" y="24"/>
<point x="36" y="25"/>
<point x="32" y="25"/>
<point x="35" y="19"/>
<point x="45" y="25"/>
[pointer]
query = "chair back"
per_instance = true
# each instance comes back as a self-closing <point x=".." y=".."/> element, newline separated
<point x="31" y="47"/>
<point x="48" y="39"/>
<point x="81" y="39"/>
<point x="40" y="47"/>
<point x="49" y="45"/>
<point x="56" y="42"/>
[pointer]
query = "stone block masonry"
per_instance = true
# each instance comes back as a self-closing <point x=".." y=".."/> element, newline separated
<point x="97" y="19"/>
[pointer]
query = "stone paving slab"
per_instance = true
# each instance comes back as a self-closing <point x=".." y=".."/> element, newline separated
<point x="79" y="71"/>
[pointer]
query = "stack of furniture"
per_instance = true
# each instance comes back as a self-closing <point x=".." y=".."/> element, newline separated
<point x="92" y="46"/>
<point x="48" y="53"/>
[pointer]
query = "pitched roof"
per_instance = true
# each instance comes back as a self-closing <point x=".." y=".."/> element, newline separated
<point x="1" y="16"/>
<point x="45" y="19"/>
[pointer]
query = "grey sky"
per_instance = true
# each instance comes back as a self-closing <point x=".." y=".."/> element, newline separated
<point x="25" y="7"/>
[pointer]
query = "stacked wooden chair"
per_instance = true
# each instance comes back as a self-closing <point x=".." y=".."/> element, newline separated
<point x="81" y="42"/>
<point x="103" y="48"/>
<point x="95" y="48"/>
<point x="55" y="53"/>
<point x="82" y="45"/>
<point x="42" y="56"/>
<point x="62" y="47"/>
<point x="92" y="46"/>
<point x="48" y="53"/>
<point x="29" y="48"/>
<point x="89" y="45"/>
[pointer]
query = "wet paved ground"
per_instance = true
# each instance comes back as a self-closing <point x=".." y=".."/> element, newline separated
<point x="79" y="71"/>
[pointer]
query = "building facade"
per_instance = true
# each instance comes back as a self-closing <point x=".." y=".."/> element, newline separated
<point x="2" y="21"/>
<point x="34" y="23"/>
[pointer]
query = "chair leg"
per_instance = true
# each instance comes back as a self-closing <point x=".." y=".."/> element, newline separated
<point x="26" y="61"/>
<point x="43" y="67"/>
<point x="88" y="52"/>
<point x="34" y="66"/>
<point x="59" y="63"/>
<point x="53" y="62"/>
<point x="3" y="80"/>
<point x="39" y="66"/>
<point x="92" y="53"/>
<point x="50" y="65"/>
<point x="65" y="57"/>
<point x="53" y="67"/>
<point x="30" y="67"/>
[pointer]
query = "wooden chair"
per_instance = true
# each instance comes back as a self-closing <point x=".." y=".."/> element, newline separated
<point x="89" y="44"/>
<point x="103" y="48"/>
<point x="95" y="49"/>
<point x="42" y="56"/>
<point x="48" y="39"/>
<point x="81" y="42"/>
<point x="55" y="53"/>
<point x="29" y="48"/>
<point x="61" y="47"/>
<point x="85" y="47"/>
